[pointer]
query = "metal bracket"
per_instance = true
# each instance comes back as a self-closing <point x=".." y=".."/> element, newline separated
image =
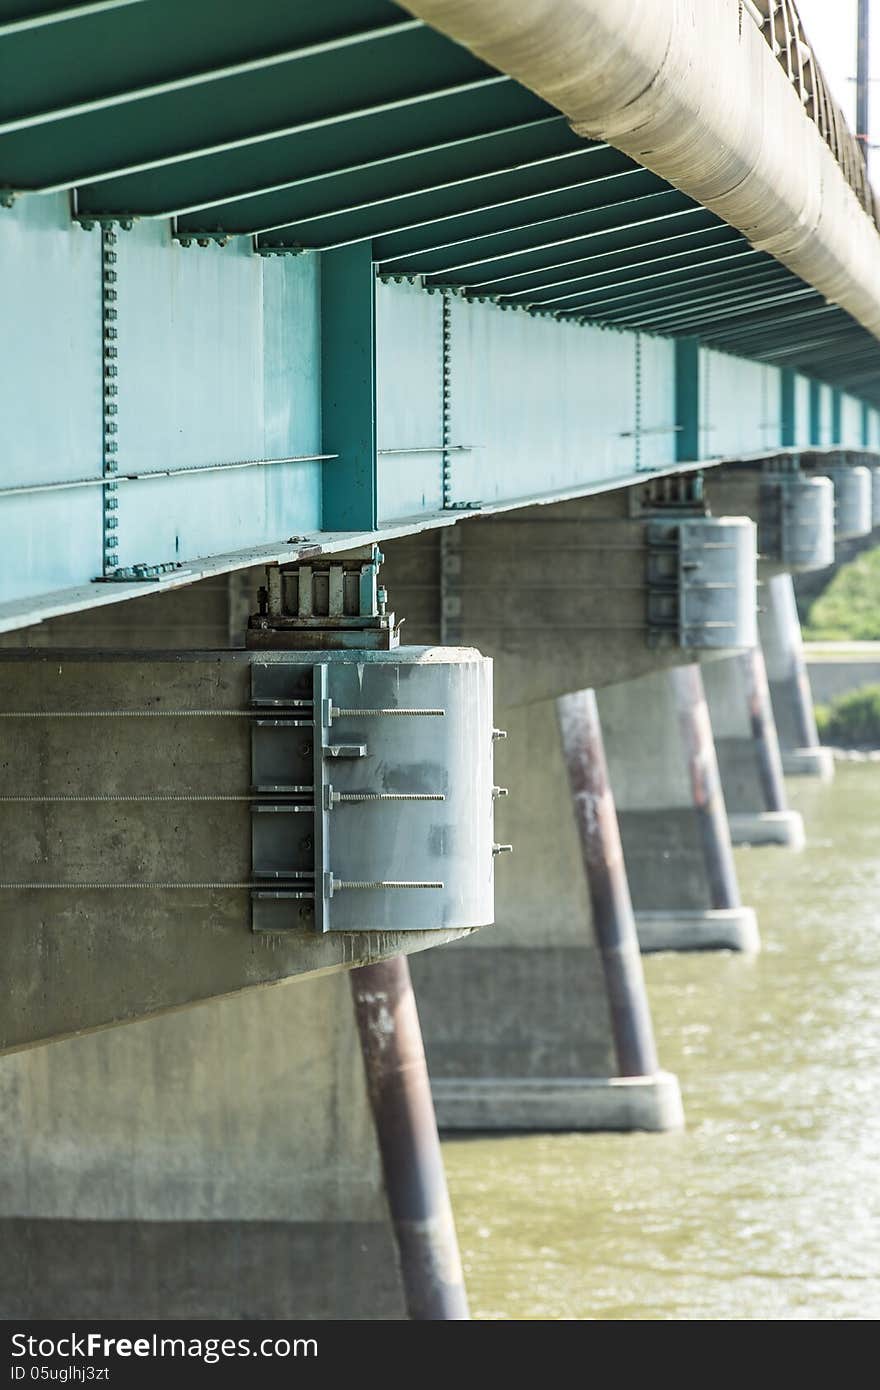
<point x="291" y="755"/>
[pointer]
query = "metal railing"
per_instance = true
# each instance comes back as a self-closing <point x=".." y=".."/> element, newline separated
<point x="781" y="26"/>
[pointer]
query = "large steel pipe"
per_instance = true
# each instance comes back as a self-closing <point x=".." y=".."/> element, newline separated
<point x="690" y="89"/>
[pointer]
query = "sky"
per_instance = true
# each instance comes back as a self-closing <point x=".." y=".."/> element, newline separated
<point x="830" y="26"/>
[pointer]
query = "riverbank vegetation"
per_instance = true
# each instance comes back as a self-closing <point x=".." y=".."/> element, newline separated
<point x="852" y="720"/>
<point x="849" y="609"/>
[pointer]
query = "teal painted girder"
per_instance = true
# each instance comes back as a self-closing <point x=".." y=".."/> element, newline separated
<point x="636" y="267"/>
<point x="482" y="208"/>
<point x="325" y="84"/>
<point x="651" y="225"/>
<point x="361" y="139"/>
<point x="351" y="122"/>
<point x="16" y="16"/>
<point x="109" y="55"/>
<point x="511" y="152"/>
<point x="556" y="187"/>
<point x="439" y="253"/>
<point x="695" y="284"/>
<point x="260" y="400"/>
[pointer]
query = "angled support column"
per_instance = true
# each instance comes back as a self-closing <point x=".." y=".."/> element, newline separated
<point x="672" y="817"/>
<point x="219" y="1163"/>
<point x="602" y="855"/>
<point x="406" y="1128"/>
<point x="748" y="752"/>
<point x="541" y="1022"/>
<point x="802" y="754"/>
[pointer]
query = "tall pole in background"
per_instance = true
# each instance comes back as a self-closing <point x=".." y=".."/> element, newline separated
<point x="863" y="78"/>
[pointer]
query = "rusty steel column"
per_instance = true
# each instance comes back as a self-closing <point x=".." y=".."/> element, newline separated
<point x="789" y="681"/>
<point x="708" y="797"/>
<point x="763" y="728"/>
<point x="403" y="1111"/>
<point x="602" y="855"/>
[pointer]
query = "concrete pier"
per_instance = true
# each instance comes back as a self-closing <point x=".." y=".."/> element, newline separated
<point x="218" y="1163"/>
<point x="228" y="1160"/>
<point x="790" y="694"/>
<point x="748" y="753"/>
<point x="521" y="1028"/>
<point x="673" y="823"/>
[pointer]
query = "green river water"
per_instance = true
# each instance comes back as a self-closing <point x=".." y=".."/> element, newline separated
<point x="768" y="1204"/>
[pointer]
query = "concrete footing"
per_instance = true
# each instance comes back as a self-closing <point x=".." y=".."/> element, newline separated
<point x="808" y="762"/>
<point x="673" y="821"/>
<point x="748" y="753"/>
<point x="221" y="1162"/>
<point x="768" y="828"/>
<point x="559" y="1103"/>
<point x="789" y="682"/>
<point x="716" y="929"/>
<point x="530" y="1023"/>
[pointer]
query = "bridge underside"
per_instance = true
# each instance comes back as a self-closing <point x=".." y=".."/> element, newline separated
<point x="321" y="273"/>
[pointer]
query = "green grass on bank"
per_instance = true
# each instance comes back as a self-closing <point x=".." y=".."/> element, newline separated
<point x="849" y="609"/>
<point x="852" y="720"/>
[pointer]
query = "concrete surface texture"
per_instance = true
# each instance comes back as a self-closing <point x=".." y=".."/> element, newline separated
<point x="748" y="753"/>
<point x="218" y="1163"/>
<point x="836" y="668"/>
<point x="670" y="808"/>
<point x="115" y="955"/>
<point x="789" y="682"/>
<point x="556" y="595"/>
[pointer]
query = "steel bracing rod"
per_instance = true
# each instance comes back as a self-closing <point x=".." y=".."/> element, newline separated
<point x="698" y="288"/>
<point x="697" y="284"/>
<point x="262" y="885"/>
<point x="571" y="198"/>
<point x="386" y="796"/>
<point x="715" y="308"/>
<point x="258" y="713"/>
<point x="442" y="154"/>
<point x="778" y="330"/>
<point x="770" y="322"/>
<point x="629" y="260"/>
<point x="375" y="144"/>
<point x="60" y="13"/>
<point x="434" y="449"/>
<point x="459" y="244"/>
<point x="703" y="324"/>
<point x="406" y="1128"/>
<point x="845" y="349"/>
<point x="610" y="282"/>
<point x="385" y="713"/>
<point x="75" y="798"/>
<point x="112" y="480"/>
<point x="83" y="176"/>
<point x="341" y="884"/>
<point x="534" y="149"/>
<point x="149" y="714"/>
<point x="151" y="91"/>
<point x="117" y="887"/>
<point x="640" y="233"/>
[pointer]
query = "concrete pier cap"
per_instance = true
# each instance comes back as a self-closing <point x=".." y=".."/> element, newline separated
<point x="853" y="489"/>
<point x="793" y="509"/>
<point x="185" y="825"/>
<point x="586" y="592"/>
